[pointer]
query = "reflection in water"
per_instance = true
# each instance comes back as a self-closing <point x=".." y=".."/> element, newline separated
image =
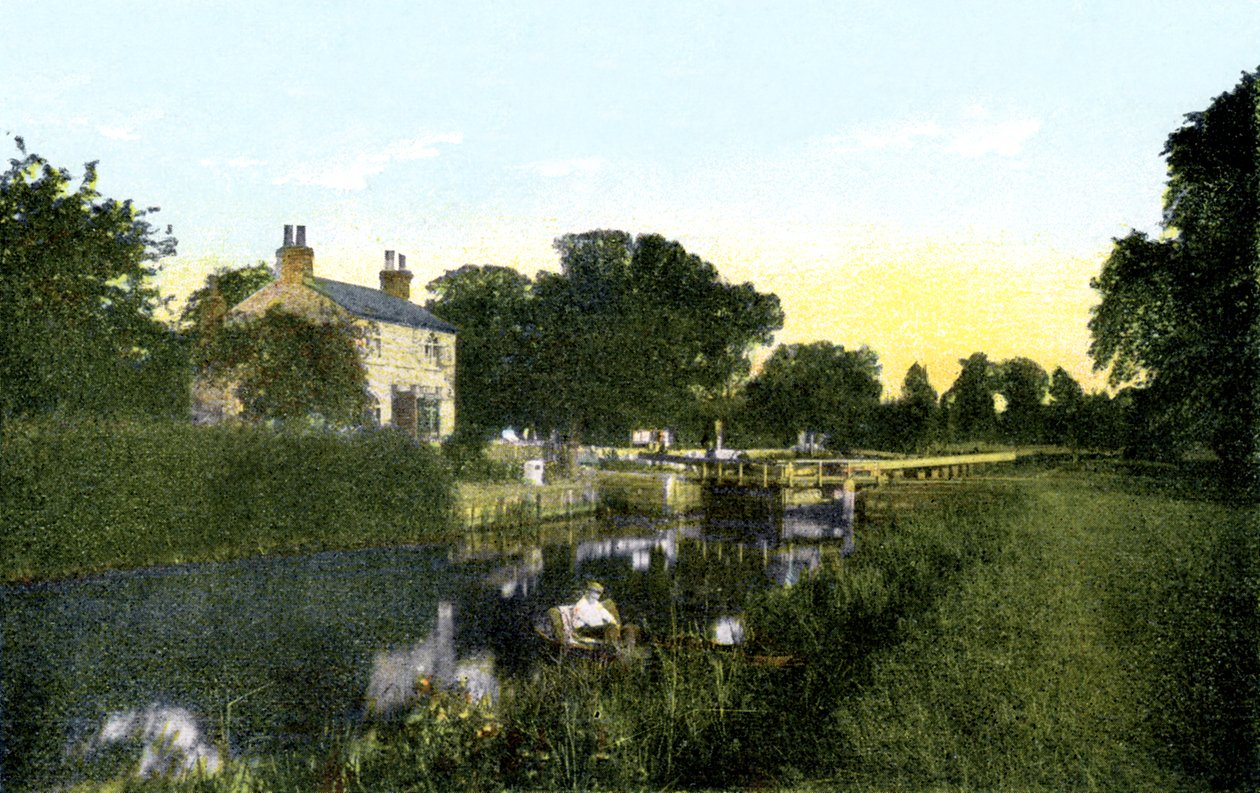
<point x="637" y="549"/>
<point x="394" y="673"/>
<point x="170" y="739"/>
<point x="518" y="580"/>
<point x="785" y="567"/>
<point x="827" y="521"/>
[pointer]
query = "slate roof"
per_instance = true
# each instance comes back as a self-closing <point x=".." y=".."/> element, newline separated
<point x="376" y="305"/>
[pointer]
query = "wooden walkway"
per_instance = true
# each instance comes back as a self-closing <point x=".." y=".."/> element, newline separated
<point x="821" y="474"/>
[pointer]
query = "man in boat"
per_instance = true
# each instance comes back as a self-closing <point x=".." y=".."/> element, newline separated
<point x="593" y="620"/>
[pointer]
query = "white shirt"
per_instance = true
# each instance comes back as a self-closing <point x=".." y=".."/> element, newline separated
<point x="589" y="613"/>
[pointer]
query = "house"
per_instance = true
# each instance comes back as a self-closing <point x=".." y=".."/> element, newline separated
<point x="407" y="352"/>
<point x="660" y="439"/>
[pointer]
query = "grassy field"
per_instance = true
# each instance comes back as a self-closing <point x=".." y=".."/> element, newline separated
<point x="1074" y="628"/>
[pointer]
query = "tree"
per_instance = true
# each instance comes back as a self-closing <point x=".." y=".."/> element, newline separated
<point x="493" y="309"/>
<point x="818" y="387"/>
<point x="914" y="416"/>
<point x="638" y="332"/>
<point x="76" y="301"/>
<point x="283" y="366"/>
<point x="232" y="286"/>
<point x="1024" y="385"/>
<point x="968" y="404"/>
<point x="1066" y="415"/>
<point x="1178" y="316"/>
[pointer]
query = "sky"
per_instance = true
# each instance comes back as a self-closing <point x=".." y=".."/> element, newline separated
<point x="927" y="179"/>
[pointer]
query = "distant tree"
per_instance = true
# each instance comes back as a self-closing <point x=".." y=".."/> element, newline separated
<point x="283" y="366"/>
<point x="915" y="414"/>
<point x="232" y="286"/>
<point x="496" y="378"/>
<point x="76" y="300"/>
<point x="818" y="387"/>
<point x="1065" y="422"/>
<point x="968" y="404"/>
<point x="1024" y="385"/>
<point x="1178" y="316"/>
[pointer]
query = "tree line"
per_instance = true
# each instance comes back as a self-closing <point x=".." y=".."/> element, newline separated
<point x="637" y="332"/>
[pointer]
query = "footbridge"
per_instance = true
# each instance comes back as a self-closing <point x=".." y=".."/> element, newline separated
<point x="826" y="474"/>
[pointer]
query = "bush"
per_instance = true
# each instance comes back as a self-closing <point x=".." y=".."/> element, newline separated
<point x="465" y="452"/>
<point x="83" y="496"/>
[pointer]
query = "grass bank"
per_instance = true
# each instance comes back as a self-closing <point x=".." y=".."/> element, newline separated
<point x="80" y="497"/>
<point x="1107" y="639"/>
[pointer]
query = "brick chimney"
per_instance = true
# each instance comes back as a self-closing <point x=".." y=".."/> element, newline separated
<point x="396" y="282"/>
<point x="295" y="261"/>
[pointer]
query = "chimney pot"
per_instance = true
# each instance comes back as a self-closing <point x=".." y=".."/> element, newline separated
<point x="389" y="260"/>
<point x="301" y="236"/>
<point x="402" y="262"/>
<point x="288" y="235"/>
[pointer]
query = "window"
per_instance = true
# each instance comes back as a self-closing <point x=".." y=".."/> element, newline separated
<point x="428" y="416"/>
<point x="432" y="350"/>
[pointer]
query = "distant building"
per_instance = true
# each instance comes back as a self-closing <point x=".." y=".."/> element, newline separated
<point x="661" y="439"/>
<point x="407" y="352"/>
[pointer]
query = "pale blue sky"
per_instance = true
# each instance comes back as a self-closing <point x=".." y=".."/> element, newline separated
<point x="870" y="162"/>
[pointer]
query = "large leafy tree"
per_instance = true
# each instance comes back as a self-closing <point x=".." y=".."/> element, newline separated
<point x="493" y="309"/>
<point x="76" y="298"/>
<point x="1178" y="317"/>
<point x="818" y="387"/>
<point x="639" y="331"/>
<point x="633" y="331"/>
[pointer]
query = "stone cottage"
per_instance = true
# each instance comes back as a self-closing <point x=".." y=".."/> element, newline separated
<point x="407" y="352"/>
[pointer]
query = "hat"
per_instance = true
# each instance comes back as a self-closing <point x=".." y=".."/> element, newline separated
<point x="594" y="585"/>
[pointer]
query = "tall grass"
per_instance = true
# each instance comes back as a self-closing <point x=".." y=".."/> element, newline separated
<point x="1094" y="634"/>
<point x="77" y="497"/>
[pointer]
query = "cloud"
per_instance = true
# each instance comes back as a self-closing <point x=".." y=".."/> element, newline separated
<point x="977" y="136"/>
<point x="119" y="132"/>
<point x="351" y="174"/>
<point x="902" y="136"/>
<point x="557" y="169"/>
<point x="1004" y="138"/>
<point x="127" y="128"/>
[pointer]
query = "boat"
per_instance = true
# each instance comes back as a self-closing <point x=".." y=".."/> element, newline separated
<point x="553" y="629"/>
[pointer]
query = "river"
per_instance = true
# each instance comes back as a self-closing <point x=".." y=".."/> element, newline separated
<point x="158" y="668"/>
